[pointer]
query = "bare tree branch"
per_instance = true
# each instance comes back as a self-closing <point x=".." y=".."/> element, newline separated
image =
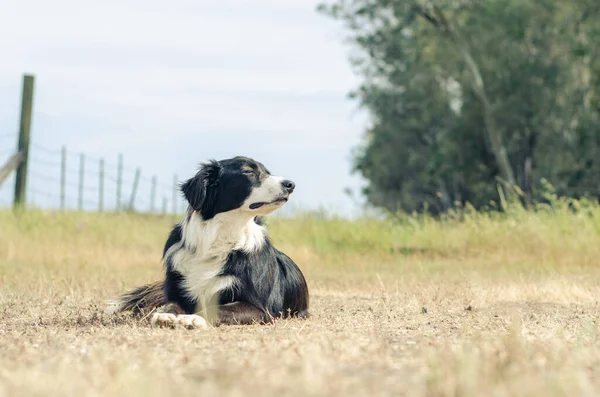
<point x="424" y="14"/>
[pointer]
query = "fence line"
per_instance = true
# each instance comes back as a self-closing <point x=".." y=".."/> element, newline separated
<point x="6" y="136"/>
<point x="45" y="150"/>
<point x="61" y="179"/>
<point x="69" y="179"/>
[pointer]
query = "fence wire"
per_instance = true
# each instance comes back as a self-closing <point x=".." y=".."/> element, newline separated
<point x="56" y="180"/>
<point x="7" y="137"/>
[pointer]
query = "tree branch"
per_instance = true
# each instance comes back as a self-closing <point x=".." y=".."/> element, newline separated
<point x="424" y="14"/>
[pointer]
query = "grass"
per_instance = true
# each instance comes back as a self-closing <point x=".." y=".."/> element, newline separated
<point x="476" y="304"/>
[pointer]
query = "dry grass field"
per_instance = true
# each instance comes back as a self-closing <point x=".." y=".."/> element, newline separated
<point x="487" y="305"/>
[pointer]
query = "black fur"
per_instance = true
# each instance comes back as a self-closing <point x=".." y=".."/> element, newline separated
<point x="174" y="238"/>
<point x="200" y="191"/>
<point x="221" y="186"/>
<point x="270" y="280"/>
<point x="173" y="280"/>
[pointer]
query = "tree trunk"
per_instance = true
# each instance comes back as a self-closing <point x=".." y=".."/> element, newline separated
<point x="492" y="131"/>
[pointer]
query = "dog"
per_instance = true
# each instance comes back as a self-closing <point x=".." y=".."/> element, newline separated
<point x="220" y="266"/>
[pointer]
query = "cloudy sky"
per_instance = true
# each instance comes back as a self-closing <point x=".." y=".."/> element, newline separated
<point x="170" y="84"/>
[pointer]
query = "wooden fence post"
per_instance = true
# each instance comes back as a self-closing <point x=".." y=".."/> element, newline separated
<point x="63" y="177"/>
<point x="136" y="181"/>
<point x="175" y="194"/>
<point x="153" y="194"/>
<point x="101" y="187"/>
<point x="24" y="135"/>
<point x="119" y="181"/>
<point x="81" y="180"/>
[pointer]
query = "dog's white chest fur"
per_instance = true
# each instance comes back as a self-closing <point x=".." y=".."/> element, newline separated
<point x="203" y="251"/>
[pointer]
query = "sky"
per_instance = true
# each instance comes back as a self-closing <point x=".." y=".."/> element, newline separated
<point x="172" y="84"/>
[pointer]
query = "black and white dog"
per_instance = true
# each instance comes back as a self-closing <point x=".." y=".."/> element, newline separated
<point x="219" y="263"/>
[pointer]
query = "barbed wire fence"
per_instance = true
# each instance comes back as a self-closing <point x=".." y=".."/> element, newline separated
<point x="57" y="178"/>
<point x="60" y="179"/>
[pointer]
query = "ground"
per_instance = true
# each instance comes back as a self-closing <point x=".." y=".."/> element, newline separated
<point x="482" y="305"/>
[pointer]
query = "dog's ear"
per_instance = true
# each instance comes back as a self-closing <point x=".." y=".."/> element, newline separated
<point x="199" y="190"/>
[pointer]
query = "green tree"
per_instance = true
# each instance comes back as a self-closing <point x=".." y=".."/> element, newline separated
<point x="466" y="94"/>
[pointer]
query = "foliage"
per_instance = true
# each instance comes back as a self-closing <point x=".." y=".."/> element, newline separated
<point x="452" y="86"/>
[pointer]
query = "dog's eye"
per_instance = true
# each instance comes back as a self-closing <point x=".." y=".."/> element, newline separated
<point x="249" y="172"/>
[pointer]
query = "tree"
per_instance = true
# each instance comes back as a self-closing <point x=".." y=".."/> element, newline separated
<point x="463" y="94"/>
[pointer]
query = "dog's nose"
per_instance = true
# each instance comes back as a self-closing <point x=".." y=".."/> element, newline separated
<point x="288" y="185"/>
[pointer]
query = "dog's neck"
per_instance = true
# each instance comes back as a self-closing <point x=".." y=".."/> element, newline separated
<point x="233" y="230"/>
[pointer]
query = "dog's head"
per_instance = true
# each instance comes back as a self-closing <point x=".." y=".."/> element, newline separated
<point x="239" y="183"/>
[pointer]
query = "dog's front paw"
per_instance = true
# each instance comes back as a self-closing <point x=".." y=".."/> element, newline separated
<point x="170" y="320"/>
<point x="192" y="321"/>
<point x="163" y="320"/>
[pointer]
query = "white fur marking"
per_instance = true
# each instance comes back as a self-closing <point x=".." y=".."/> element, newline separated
<point x="191" y="321"/>
<point x="269" y="190"/>
<point x="204" y="249"/>
<point x="170" y="320"/>
<point x="163" y="320"/>
<point x="113" y="306"/>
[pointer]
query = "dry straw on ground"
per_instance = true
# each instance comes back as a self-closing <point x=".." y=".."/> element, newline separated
<point x="481" y="306"/>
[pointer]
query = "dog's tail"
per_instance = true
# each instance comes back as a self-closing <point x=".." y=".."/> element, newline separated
<point x="141" y="300"/>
